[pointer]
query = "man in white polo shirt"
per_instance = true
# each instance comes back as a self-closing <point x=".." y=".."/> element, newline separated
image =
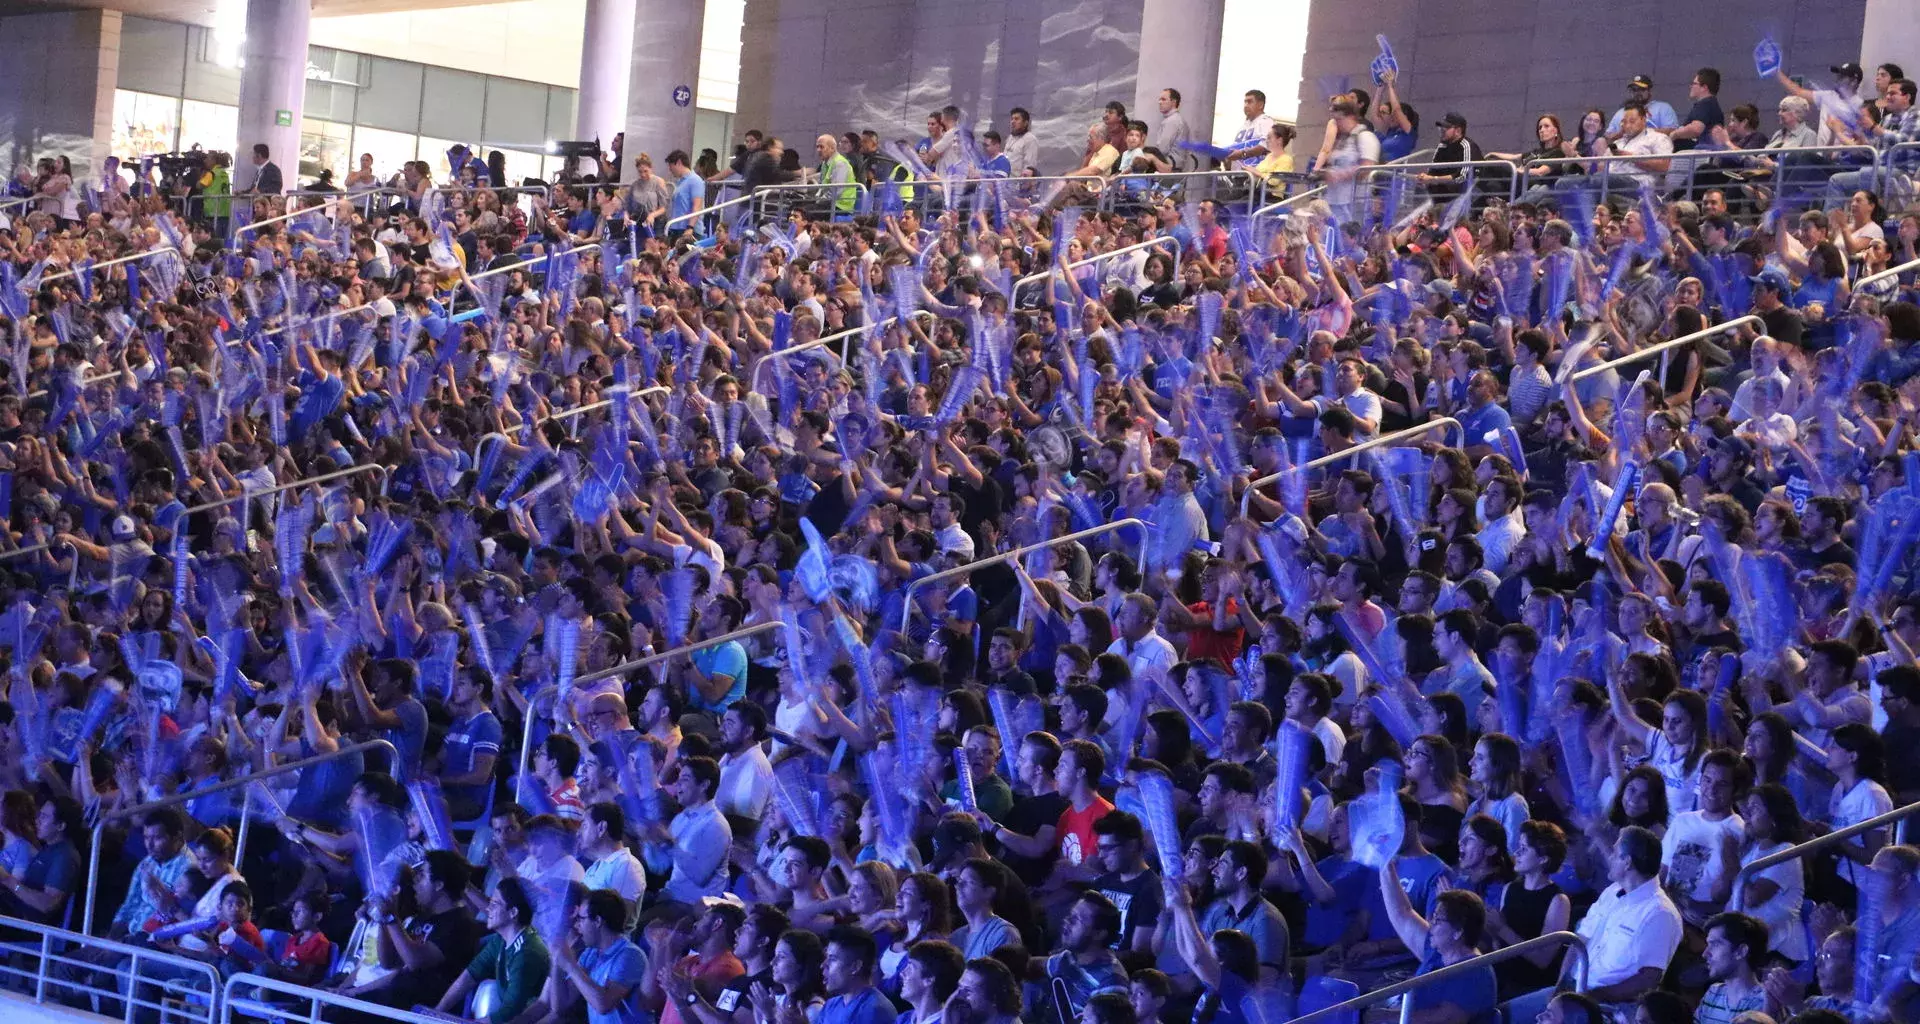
<point x="1632" y="931"/>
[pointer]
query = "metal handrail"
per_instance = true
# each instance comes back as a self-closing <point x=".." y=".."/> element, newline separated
<point x="28" y="550"/>
<point x="1833" y="838"/>
<point x="542" y="258"/>
<point x="845" y="338"/>
<point x="861" y="202"/>
<point x="1484" y="960"/>
<point x="1096" y="258"/>
<point x="1693" y="159"/>
<point x="184" y="982"/>
<point x="653" y="659"/>
<point x="1893" y="272"/>
<point x="1654" y="350"/>
<point x="526" y="730"/>
<point x="85" y="382"/>
<point x="310" y="321"/>
<point x="103" y="264"/>
<point x="601" y="404"/>
<point x="93" y="858"/>
<point x="703" y="211"/>
<point x="1275" y="207"/>
<point x="1347" y="453"/>
<point x="906" y="601"/>
<point x="277" y="488"/>
<point x="233" y="996"/>
<point x="319" y="208"/>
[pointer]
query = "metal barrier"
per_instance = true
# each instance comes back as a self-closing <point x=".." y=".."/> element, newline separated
<point x="1833" y="838"/>
<point x="845" y="338"/>
<point x="1654" y="350"/>
<point x="580" y="410"/>
<point x="187" y="978"/>
<point x="687" y="218"/>
<point x="1687" y="166"/>
<point x="276" y="489"/>
<point x="310" y="321"/>
<point x="361" y="198"/>
<point x="334" y="199"/>
<point x="1378" y="442"/>
<point x="652" y="659"/>
<point x="1890" y="272"/>
<point x="1275" y="207"/>
<point x="1119" y="187"/>
<point x="1419" y="981"/>
<point x="1375" y="173"/>
<point x="85" y="382"/>
<point x="239" y="995"/>
<point x="93" y="858"/>
<point x="906" y="609"/>
<point x="542" y="258"/>
<point x="103" y="264"/>
<point x="821" y="192"/>
<point x="1098" y="258"/>
<point x="526" y="731"/>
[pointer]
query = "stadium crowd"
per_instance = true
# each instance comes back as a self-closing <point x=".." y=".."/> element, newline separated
<point x="1249" y="725"/>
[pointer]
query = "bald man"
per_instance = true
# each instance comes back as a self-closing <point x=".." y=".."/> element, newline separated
<point x="835" y="169"/>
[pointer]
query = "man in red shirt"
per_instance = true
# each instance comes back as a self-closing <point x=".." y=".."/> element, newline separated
<point x="1079" y="770"/>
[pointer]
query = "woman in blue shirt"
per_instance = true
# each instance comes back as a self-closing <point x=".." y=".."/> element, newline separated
<point x="1451" y="937"/>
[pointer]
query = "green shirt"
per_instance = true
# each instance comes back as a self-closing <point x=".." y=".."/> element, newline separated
<point x="992" y="793"/>
<point x="520" y="967"/>
<point x="837" y="171"/>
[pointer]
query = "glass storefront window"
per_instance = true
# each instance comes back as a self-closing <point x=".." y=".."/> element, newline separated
<point x="390" y="149"/>
<point x="323" y="147"/>
<point x="522" y="165"/>
<point x="214" y="127"/>
<point x="143" y="124"/>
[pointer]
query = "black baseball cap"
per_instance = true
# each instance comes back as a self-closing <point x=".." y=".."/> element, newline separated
<point x="1639" y="82"/>
<point x="1451" y="120"/>
<point x="1849" y="70"/>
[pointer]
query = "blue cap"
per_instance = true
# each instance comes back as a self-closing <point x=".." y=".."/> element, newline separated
<point x="1774" y="278"/>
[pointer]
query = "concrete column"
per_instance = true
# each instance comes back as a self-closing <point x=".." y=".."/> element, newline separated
<point x="1179" y="49"/>
<point x="56" y="87"/>
<point x="1891" y="32"/>
<point x="606" y="57"/>
<point x="273" y="85"/>
<point x="665" y="78"/>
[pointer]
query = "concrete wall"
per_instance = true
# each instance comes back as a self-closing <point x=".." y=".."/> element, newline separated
<point x="812" y="66"/>
<point x="1501" y="63"/>
<point x="56" y="87"/>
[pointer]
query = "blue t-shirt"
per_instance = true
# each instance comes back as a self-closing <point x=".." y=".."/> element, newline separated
<point x="321" y="795"/>
<point x="687" y="191"/>
<point x="1396" y="144"/>
<point x="465" y="742"/>
<point x="410" y="738"/>
<point x="318" y="399"/>
<point x="728" y="659"/>
<point x="867" y="1006"/>
<point x="1474" y="992"/>
<point x="621" y="963"/>
<point x="1352" y="883"/>
<point x="1485" y="420"/>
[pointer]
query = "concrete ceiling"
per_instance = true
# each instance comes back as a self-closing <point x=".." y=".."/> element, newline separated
<point x="200" y="12"/>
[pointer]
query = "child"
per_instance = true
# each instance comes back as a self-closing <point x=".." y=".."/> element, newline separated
<point x="309" y="952"/>
<point x="238" y="945"/>
<point x="187" y="890"/>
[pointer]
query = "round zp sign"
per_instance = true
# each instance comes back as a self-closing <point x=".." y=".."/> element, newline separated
<point x="682" y="96"/>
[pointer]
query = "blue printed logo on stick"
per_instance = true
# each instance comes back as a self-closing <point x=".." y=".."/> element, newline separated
<point x="682" y="96"/>
<point x="1766" y="58"/>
